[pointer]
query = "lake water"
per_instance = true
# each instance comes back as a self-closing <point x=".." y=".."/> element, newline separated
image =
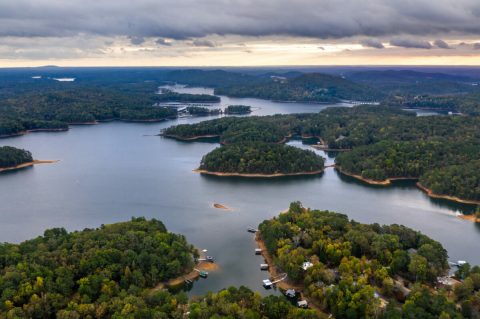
<point x="112" y="171"/>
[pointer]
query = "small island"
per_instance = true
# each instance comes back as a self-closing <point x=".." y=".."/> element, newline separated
<point x="260" y="160"/>
<point x="238" y="109"/>
<point x="14" y="158"/>
<point x="202" y="111"/>
<point x="354" y="270"/>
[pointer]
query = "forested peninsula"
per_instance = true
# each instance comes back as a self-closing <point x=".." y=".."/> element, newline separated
<point x="109" y="272"/>
<point x="383" y="143"/>
<point x="357" y="270"/>
<point x="55" y="108"/>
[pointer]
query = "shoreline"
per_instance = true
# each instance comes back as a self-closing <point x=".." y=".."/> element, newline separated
<point x="470" y="218"/>
<point x="430" y="193"/>
<point x="326" y="149"/>
<point x="21" y="133"/>
<point x="27" y="164"/>
<point x="197" y="137"/>
<point x="286" y="284"/>
<point x="385" y="182"/>
<point x="192" y="275"/>
<point x="273" y="270"/>
<point x="202" y="171"/>
<point x="96" y="122"/>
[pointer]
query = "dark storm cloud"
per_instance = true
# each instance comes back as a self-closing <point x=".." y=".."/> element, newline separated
<point x="372" y="43"/>
<point x="441" y="44"/>
<point x="162" y="41"/>
<point x="410" y="43"/>
<point x="204" y="43"/>
<point x="186" y="19"/>
<point x="137" y="40"/>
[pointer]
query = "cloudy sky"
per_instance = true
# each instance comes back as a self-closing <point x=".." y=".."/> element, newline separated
<point x="239" y="32"/>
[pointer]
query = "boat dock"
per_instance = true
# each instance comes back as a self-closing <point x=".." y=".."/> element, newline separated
<point x="268" y="283"/>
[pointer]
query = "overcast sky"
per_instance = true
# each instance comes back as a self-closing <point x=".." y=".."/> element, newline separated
<point x="239" y="32"/>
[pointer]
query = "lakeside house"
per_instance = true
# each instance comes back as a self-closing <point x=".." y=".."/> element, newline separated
<point x="447" y="282"/>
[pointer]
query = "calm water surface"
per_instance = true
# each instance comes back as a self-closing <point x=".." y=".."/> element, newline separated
<point x="112" y="171"/>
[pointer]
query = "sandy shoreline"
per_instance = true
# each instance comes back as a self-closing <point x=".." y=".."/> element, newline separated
<point x="470" y="218"/>
<point x="274" y="271"/>
<point x="202" y="171"/>
<point x="21" y="133"/>
<point x="28" y="164"/>
<point x="193" y="275"/>
<point x="189" y="138"/>
<point x="33" y="131"/>
<point x="385" y="182"/>
<point x="430" y="193"/>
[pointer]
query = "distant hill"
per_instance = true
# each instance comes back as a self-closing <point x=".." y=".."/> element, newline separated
<point x="406" y="76"/>
<point x="415" y="82"/>
<point x="210" y="78"/>
<point x="312" y="87"/>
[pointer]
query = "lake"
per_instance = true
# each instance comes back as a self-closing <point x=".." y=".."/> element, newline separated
<point x="113" y="171"/>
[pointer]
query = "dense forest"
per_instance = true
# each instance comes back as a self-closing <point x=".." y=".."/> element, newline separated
<point x="11" y="156"/>
<point x="108" y="272"/>
<point x="458" y="179"/>
<point x="385" y="142"/>
<point x="233" y="129"/>
<point x="238" y="109"/>
<point x="261" y="158"/>
<point x="90" y="270"/>
<point x="360" y="270"/>
<point x="56" y="109"/>
<point x="243" y="303"/>
<point x="313" y="87"/>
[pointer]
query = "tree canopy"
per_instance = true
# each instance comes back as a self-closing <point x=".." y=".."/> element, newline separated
<point x="91" y="269"/>
<point x="354" y="263"/>
<point x="261" y="158"/>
